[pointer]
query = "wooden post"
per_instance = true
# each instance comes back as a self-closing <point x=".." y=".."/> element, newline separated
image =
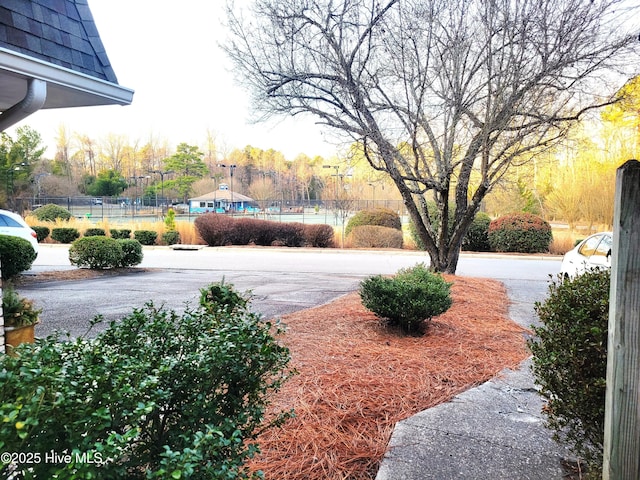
<point x="622" y="408"/>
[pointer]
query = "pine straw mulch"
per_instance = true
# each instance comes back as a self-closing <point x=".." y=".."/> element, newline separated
<point x="357" y="378"/>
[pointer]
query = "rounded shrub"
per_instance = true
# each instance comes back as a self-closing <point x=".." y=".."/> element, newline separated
<point x="221" y="298"/>
<point x="96" y="253"/>
<point x="520" y="232"/>
<point x="372" y="236"/>
<point x="286" y="234"/>
<point x="16" y="255"/>
<point x="243" y="231"/>
<point x="319" y="235"/>
<point x="94" y="232"/>
<point x="382" y="217"/>
<point x="120" y="233"/>
<point x="51" y="212"/>
<point x="171" y="237"/>
<point x="214" y="228"/>
<point x="145" y="237"/>
<point x="131" y="252"/>
<point x="41" y="232"/>
<point x="65" y="234"/>
<point x="477" y="237"/>
<point x="570" y="361"/>
<point x="413" y="296"/>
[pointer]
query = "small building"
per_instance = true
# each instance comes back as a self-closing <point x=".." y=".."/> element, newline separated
<point x="222" y="200"/>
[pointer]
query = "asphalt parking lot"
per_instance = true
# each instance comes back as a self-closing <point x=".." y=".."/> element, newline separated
<point x="280" y="280"/>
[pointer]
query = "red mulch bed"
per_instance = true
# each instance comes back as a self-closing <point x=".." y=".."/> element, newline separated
<point x="357" y="378"/>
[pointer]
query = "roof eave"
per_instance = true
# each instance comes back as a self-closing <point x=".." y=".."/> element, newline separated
<point x="94" y="91"/>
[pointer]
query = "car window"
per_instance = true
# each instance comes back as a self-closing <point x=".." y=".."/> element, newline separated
<point x="590" y="246"/>
<point x="604" y="247"/>
<point x="8" y="222"/>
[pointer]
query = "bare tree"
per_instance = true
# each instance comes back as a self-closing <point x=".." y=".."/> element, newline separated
<point x="85" y="154"/>
<point x="113" y="150"/>
<point x="63" y="144"/>
<point x="444" y="96"/>
<point x="263" y="191"/>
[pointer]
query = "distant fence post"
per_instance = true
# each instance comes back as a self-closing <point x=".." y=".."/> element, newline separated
<point x="622" y="408"/>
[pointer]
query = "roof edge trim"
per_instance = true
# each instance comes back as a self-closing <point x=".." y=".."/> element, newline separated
<point x="30" y="67"/>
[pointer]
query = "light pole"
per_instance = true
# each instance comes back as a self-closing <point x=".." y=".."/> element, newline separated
<point x="335" y="203"/>
<point x="142" y="188"/>
<point x="232" y="168"/>
<point x="133" y="199"/>
<point x="373" y="187"/>
<point x="162" y="174"/>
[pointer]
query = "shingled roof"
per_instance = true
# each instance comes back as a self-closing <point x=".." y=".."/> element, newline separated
<point x="53" y="46"/>
<point x="60" y="32"/>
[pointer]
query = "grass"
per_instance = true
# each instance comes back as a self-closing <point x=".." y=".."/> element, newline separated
<point x="563" y="241"/>
<point x="186" y="229"/>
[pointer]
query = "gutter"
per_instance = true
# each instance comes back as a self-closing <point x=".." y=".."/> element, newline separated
<point x="32" y="102"/>
<point x="93" y="91"/>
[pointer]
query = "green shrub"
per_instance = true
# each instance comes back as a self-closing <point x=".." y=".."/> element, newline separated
<point x="131" y="252"/>
<point x="41" y="232"/>
<point x="520" y="232"/>
<point x="120" y="234"/>
<point x="382" y="217"/>
<point x="170" y="220"/>
<point x="94" y="232"/>
<point x="408" y="299"/>
<point x="319" y="235"/>
<point x="570" y="361"/>
<point x="157" y="395"/>
<point x="96" y="253"/>
<point x="220" y="298"/>
<point x="65" y="234"/>
<point x="372" y="236"/>
<point x="171" y="237"/>
<point x="16" y="255"/>
<point x="477" y="237"/>
<point x="145" y="237"/>
<point x="51" y="212"/>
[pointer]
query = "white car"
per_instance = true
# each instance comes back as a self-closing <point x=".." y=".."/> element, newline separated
<point x="592" y="252"/>
<point x="14" y="225"/>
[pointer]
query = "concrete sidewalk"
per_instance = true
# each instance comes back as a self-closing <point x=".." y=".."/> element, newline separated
<point x="495" y="431"/>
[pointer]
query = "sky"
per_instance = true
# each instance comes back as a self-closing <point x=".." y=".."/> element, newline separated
<point x="167" y="52"/>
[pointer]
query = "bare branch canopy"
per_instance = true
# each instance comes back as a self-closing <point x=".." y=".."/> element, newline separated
<point x="443" y="96"/>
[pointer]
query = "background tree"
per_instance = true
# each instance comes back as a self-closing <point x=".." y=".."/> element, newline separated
<point x="85" y="155"/>
<point x="434" y="90"/>
<point x="18" y="157"/>
<point x="188" y="167"/>
<point x="116" y="155"/>
<point x="109" y="183"/>
<point x="621" y="122"/>
<point x="263" y="191"/>
<point x="62" y="162"/>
